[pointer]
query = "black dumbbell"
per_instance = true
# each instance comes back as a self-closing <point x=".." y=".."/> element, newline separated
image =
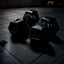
<point x="51" y="24"/>
<point x="31" y="17"/>
<point x="36" y="32"/>
<point x="19" y="28"/>
<point x="43" y="29"/>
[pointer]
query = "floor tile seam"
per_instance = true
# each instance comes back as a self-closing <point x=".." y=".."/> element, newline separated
<point x="42" y="55"/>
<point x="36" y="59"/>
<point x="13" y="55"/>
<point x="58" y="58"/>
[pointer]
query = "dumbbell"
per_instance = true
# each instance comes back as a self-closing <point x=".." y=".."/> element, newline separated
<point x="31" y="17"/>
<point x="51" y="25"/>
<point x="36" y="32"/>
<point x="19" y="28"/>
<point x="43" y="29"/>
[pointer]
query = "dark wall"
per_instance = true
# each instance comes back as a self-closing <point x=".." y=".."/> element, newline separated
<point x="23" y="3"/>
<point x="44" y="2"/>
<point x="17" y="3"/>
<point x="13" y="3"/>
<point x="9" y="3"/>
<point x="3" y="3"/>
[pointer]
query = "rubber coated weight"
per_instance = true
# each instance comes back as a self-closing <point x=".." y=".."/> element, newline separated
<point x="45" y="28"/>
<point x="51" y="24"/>
<point x="31" y="17"/>
<point x="18" y="27"/>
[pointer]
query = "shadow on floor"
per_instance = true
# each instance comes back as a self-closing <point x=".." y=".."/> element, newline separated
<point x="55" y="39"/>
<point x="44" y="46"/>
<point x="40" y="46"/>
<point x="18" y="39"/>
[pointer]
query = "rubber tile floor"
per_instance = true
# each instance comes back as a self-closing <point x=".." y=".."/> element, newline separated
<point x="20" y="52"/>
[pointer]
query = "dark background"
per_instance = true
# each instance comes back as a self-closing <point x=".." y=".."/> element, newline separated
<point x="19" y="52"/>
<point x="29" y="3"/>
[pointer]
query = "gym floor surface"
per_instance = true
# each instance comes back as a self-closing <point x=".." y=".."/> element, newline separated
<point x="16" y="52"/>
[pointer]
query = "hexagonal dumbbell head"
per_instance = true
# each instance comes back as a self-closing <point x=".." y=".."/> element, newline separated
<point x="36" y="32"/>
<point x="31" y="17"/>
<point x="51" y="24"/>
<point x="18" y="27"/>
<point x="43" y="29"/>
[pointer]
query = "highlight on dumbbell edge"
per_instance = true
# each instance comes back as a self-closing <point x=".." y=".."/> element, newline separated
<point x="48" y="26"/>
<point x="51" y="24"/>
<point x="31" y="17"/>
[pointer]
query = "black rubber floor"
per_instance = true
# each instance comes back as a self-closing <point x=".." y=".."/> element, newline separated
<point x="15" y="52"/>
